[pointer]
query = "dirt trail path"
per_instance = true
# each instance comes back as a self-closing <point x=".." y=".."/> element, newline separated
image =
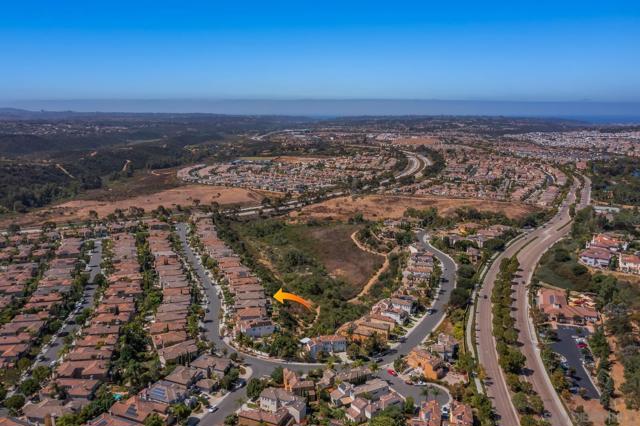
<point x="362" y="246"/>
<point x="63" y="170"/>
<point x="375" y="276"/>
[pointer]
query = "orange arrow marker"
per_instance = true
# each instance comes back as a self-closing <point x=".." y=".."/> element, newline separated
<point x="281" y="296"/>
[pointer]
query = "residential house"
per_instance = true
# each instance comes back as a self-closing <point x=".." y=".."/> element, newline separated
<point x="138" y="409"/>
<point x="445" y="347"/>
<point x="327" y="344"/>
<point x="405" y="303"/>
<point x="272" y="399"/>
<point x="607" y="242"/>
<point x="256" y="328"/>
<point x="460" y="415"/>
<point x="280" y="417"/>
<point x="185" y="376"/>
<point x="554" y="304"/>
<point x="213" y="365"/>
<point x="165" y="392"/>
<point x="433" y="368"/>
<point x="629" y="263"/>
<point x="596" y="257"/>
<point x="294" y="384"/>
<point x="430" y="414"/>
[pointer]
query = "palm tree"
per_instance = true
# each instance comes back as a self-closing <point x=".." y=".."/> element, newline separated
<point x="426" y="391"/>
<point x="436" y="392"/>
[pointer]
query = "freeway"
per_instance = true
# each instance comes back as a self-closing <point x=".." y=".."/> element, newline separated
<point x="417" y="163"/>
<point x="264" y="366"/>
<point x="529" y="250"/>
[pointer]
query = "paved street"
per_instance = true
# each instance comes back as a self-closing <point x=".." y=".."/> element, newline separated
<point x="51" y="352"/>
<point x="529" y="250"/>
<point x="263" y="367"/>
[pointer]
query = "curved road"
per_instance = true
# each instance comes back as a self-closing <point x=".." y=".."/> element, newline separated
<point x="261" y="367"/>
<point x="529" y="250"/>
<point x="416" y="163"/>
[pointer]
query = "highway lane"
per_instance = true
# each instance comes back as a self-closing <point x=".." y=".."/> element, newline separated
<point x="529" y="259"/>
<point x="261" y="367"/>
<point x="529" y="250"/>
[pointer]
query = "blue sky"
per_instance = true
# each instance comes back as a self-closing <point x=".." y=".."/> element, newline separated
<point x="557" y="51"/>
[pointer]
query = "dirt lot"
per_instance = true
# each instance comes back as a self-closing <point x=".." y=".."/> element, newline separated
<point x="342" y="258"/>
<point x="183" y="195"/>
<point x="596" y="414"/>
<point x="424" y="140"/>
<point x="386" y="206"/>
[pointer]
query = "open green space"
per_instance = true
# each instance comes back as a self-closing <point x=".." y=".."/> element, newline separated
<point x="316" y="260"/>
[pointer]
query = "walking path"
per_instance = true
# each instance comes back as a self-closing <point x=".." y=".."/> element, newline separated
<point x="374" y="278"/>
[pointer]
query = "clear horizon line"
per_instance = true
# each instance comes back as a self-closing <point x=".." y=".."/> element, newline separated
<point x="314" y="99"/>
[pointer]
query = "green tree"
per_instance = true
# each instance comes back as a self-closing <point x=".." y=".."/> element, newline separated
<point x="29" y="386"/>
<point x="409" y="405"/>
<point x="14" y="403"/>
<point x="41" y="373"/>
<point x="520" y="402"/>
<point x="277" y="375"/>
<point x="180" y="411"/>
<point x="255" y="387"/>
<point x="153" y="420"/>
<point x="231" y="420"/>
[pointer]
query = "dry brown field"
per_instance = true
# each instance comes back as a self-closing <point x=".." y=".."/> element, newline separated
<point x="375" y="207"/>
<point x="423" y="140"/>
<point x="186" y="195"/>
<point x="340" y="255"/>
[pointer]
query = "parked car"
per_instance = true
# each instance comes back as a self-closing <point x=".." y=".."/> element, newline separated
<point x="445" y="411"/>
<point x="392" y="372"/>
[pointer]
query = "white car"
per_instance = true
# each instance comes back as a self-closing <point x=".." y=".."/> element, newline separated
<point x="212" y="409"/>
